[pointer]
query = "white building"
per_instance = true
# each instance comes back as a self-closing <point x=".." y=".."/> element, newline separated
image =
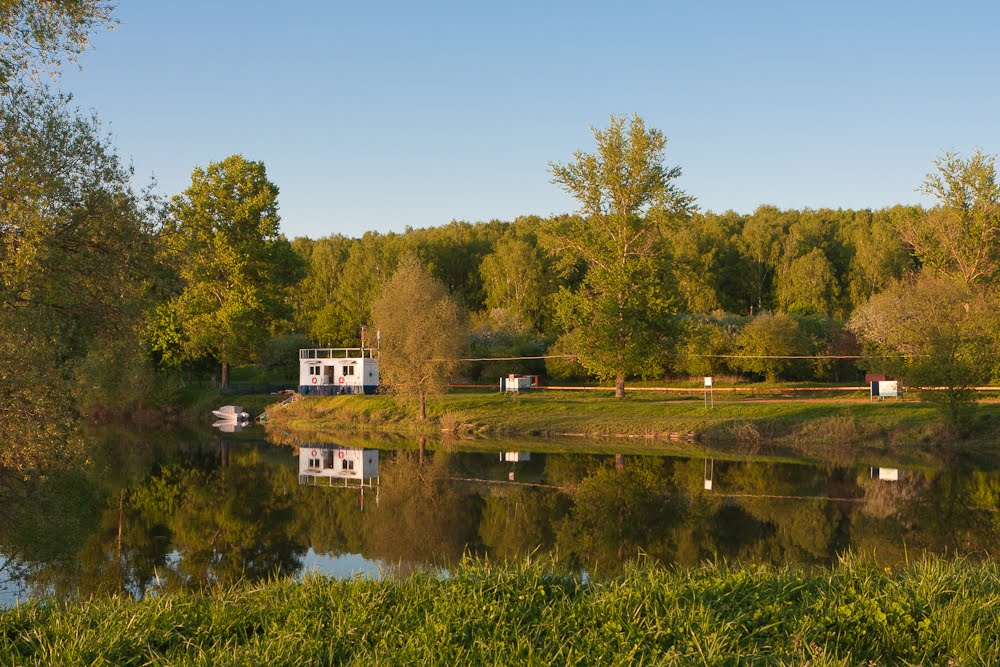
<point x="337" y="370"/>
<point x="329" y="466"/>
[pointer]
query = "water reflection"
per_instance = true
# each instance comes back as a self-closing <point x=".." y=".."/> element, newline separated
<point x="154" y="513"/>
<point x="325" y="466"/>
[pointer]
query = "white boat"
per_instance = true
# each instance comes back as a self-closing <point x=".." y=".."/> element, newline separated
<point x="229" y="425"/>
<point x="231" y="413"/>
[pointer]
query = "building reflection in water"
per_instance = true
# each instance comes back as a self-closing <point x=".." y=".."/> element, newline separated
<point x="339" y="467"/>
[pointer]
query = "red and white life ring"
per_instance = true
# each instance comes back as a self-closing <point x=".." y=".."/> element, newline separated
<point x="315" y="380"/>
<point x="341" y="379"/>
<point x="314" y="453"/>
<point x="340" y="454"/>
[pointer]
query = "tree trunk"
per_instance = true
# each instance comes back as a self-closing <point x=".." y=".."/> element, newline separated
<point x="423" y="406"/>
<point x="422" y="442"/>
<point x="224" y="382"/>
<point x="620" y="386"/>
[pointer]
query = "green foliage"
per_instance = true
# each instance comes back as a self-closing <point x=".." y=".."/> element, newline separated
<point x="75" y="264"/>
<point x="766" y="339"/>
<point x="761" y="242"/>
<point x="808" y="283"/>
<point x="235" y="268"/>
<point x="703" y="339"/>
<point x="38" y="34"/>
<point x="879" y="254"/>
<point x="340" y="289"/>
<point x="937" y="333"/>
<point x="515" y="280"/>
<point x="499" y="334"/>
<point x="423" y="333"/>
<point x="626" y="193"/>
<point x="564" y="363"/>
<point x="959" y="237"/>
<point x="279" y="358"/>
<point x="116" y="378"/>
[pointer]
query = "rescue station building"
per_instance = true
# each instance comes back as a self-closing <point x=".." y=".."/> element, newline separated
<point x="337" y="370"/>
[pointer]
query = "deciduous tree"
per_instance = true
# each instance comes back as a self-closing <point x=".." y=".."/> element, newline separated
<point x="36" y="35"/>
<point x="234" y="265"/>
<point x="619" y="314"/>
<point x="515" y="280"/>
<point x="765" y="340"/>
<point x="960" y="237"/>
<point x="75" y="251"/>
<point x="935" y="332"/>
<point x="422" y="333"/>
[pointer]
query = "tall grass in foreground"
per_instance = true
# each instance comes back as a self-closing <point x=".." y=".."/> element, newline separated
<point x="931" y="612"/>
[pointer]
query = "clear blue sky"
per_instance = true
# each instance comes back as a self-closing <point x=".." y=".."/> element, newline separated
<point x="379" y="115"/>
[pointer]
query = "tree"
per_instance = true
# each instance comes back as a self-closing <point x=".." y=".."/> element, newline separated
<point x="37" y="34"/>
<point x="326" y="258"/>
<point x="422" y="333"/>
<point x="934" y="332"/>
<point x="761" y="240"/>
<point x="765" y="340"/>
<point x="75" y="256"/>
<point x="234" y="266"/>
<point x="960" y="237"/>
<point x="515" y="280"/>
<point x="808" y="283"/>
<point x="880" y="256"/>
<point x="619" y="313"/>
<point x="370" y="263"/>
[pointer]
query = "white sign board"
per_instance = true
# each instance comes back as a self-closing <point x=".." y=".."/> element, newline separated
<point x="888" y="474"/>
<point x="708" y="381"/>
<point x="888" y="389"/>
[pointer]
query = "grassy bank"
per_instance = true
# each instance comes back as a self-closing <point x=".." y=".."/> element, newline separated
<point x="827" y="428"/>
<point x="932" y="612"/>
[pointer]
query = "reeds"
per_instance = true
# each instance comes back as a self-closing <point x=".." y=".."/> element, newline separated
<point x="931" y="612"/>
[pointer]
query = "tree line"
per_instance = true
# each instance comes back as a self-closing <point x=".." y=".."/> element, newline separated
<point x="125" y="294"/>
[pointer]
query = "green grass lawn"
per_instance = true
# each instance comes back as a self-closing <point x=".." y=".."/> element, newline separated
<point x="931" y="612"/>
<point x="830" y="429"/>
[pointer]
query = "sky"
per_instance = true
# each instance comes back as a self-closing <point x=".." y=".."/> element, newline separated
<point x="382" y="115"/>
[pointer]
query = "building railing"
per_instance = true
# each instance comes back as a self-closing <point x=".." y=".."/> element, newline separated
<point x="307" y="479"/>
<point x="336" y="353"/>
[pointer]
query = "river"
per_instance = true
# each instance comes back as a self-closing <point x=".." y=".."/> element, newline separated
<point x="150" y="511"/>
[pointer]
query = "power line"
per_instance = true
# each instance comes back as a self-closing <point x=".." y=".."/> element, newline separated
<point x="708" y="356"/>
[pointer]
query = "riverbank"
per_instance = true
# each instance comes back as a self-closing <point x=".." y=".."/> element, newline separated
<point x="930" y="612"/>
<point x="830" y="428"/>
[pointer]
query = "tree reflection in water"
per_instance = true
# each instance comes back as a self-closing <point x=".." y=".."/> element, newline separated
<point x="151" y="512"/>
<point x="423" y="516"/>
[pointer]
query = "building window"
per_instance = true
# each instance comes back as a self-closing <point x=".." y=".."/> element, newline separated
<point x="348" y="370"/>
<point x="348" y="464"/>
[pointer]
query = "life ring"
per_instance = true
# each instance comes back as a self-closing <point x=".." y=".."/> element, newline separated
<point x="315" y="380"/>
<point x="341" y="379"/>
<point x="340" y="454"/>
<point x="314" y="453"/>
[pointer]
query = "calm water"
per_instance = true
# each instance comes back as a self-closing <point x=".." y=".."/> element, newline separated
<point x="152" y="512"/>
